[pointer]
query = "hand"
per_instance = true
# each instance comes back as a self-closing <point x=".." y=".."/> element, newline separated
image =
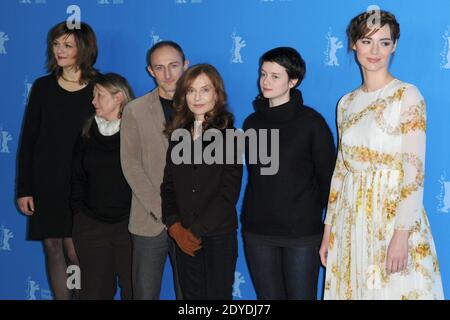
<point x="397" y="254"/>
<point x="323" y="251"/>
<point x="26" y="205"/>
<point x="184" y="238"/>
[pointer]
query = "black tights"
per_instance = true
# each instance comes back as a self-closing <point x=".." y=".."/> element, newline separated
<point x="59" y="254"/>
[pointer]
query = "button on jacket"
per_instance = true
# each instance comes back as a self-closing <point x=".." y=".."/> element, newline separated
<point x="202" y="197"/>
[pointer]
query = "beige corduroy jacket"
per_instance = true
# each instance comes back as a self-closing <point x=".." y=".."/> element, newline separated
<point x="143" y="148"/>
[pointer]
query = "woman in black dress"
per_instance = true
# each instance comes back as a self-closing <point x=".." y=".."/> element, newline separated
<point x="199" y="197"/>
<point x="101" y="197"/>
<point x="58" y="105"/>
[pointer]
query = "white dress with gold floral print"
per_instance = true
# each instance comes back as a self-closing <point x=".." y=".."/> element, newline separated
<point x="377" y="187"/>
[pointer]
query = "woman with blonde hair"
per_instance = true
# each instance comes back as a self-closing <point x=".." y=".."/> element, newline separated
<point x="101" y="197"/>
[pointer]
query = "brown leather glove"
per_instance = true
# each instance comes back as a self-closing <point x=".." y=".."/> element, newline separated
<point x="185" y="239"/>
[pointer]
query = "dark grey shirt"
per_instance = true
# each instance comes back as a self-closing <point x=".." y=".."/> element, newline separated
<point x="167" y="108"/>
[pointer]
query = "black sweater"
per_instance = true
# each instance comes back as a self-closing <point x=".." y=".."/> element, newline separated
<point x="99" y="188"/>
<point x="291" y="202"/>
<point x="202" y="197"/>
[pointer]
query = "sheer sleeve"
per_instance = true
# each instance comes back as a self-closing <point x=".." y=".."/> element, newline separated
<point x="413" y="127"/>
<point x="339" y="171"/>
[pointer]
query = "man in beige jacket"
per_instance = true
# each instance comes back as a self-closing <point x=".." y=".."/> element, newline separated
<point x="143" y="157"/>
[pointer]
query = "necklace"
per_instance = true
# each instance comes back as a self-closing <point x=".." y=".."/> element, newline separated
<point x="72" y="81"/>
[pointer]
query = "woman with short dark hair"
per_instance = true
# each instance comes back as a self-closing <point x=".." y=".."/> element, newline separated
<point x="58" y="105"/>
<point x="282" y="212"/>
<point x="377" y="242"/>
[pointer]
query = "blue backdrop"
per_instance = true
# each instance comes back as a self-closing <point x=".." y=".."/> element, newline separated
<point x="230" y="34"/>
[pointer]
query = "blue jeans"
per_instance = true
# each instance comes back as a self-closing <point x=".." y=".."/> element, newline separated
<point x="283" y="273"/>
<point x="149" y="258"/>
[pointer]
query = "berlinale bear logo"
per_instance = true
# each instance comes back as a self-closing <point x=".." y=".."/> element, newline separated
<point x="5" y="137"/>
<point x="444" y="196"/>
<point x="334" y="44"/>
<point x="33" y="289"/>
<point x="5" y="236"/>
<point x="238" y="44"/>
<point x="445" y="54"/>
<point x="156" y="38"/>
<point x="3" y="38"/>
<point x="238" y="280"/>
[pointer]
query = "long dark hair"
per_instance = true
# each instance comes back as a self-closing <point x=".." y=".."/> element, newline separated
<point x="87" y="50"/>
<point x="218" y="118"/>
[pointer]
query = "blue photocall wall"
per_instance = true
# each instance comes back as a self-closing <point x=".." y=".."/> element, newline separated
<point x="230" y="34"/>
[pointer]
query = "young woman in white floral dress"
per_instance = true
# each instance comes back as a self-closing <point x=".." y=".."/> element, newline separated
<point x="377" y="242"/>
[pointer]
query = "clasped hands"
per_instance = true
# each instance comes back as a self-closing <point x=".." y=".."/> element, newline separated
<point x="185" y="239"/>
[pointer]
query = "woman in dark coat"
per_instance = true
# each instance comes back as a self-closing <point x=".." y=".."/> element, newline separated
<point x="58" y="105"/>
<point x="199" y="196"/>
<point x="101" y="197"/>
<point x="282" y="211"/>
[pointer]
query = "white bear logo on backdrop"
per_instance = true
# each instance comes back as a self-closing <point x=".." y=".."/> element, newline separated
<point x="106" y="2"/>
<point x="444" y="196"/>
<point x="32" y="291"/>
<point x="27" y="90"/>
<point x="238" y="280"/>
<point x="333" y="45"/>
<point x="35" y="1"/>
<point x="445" y="54"/>
<point x="5" y="137"/>
<point x="156" y="38"/>
<point x="271" y="1"/>
<point x="3" y="38"/>
<point x="5" y="236"/>
<point x="238" y="44"/>
<point x="186" y="2"/>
